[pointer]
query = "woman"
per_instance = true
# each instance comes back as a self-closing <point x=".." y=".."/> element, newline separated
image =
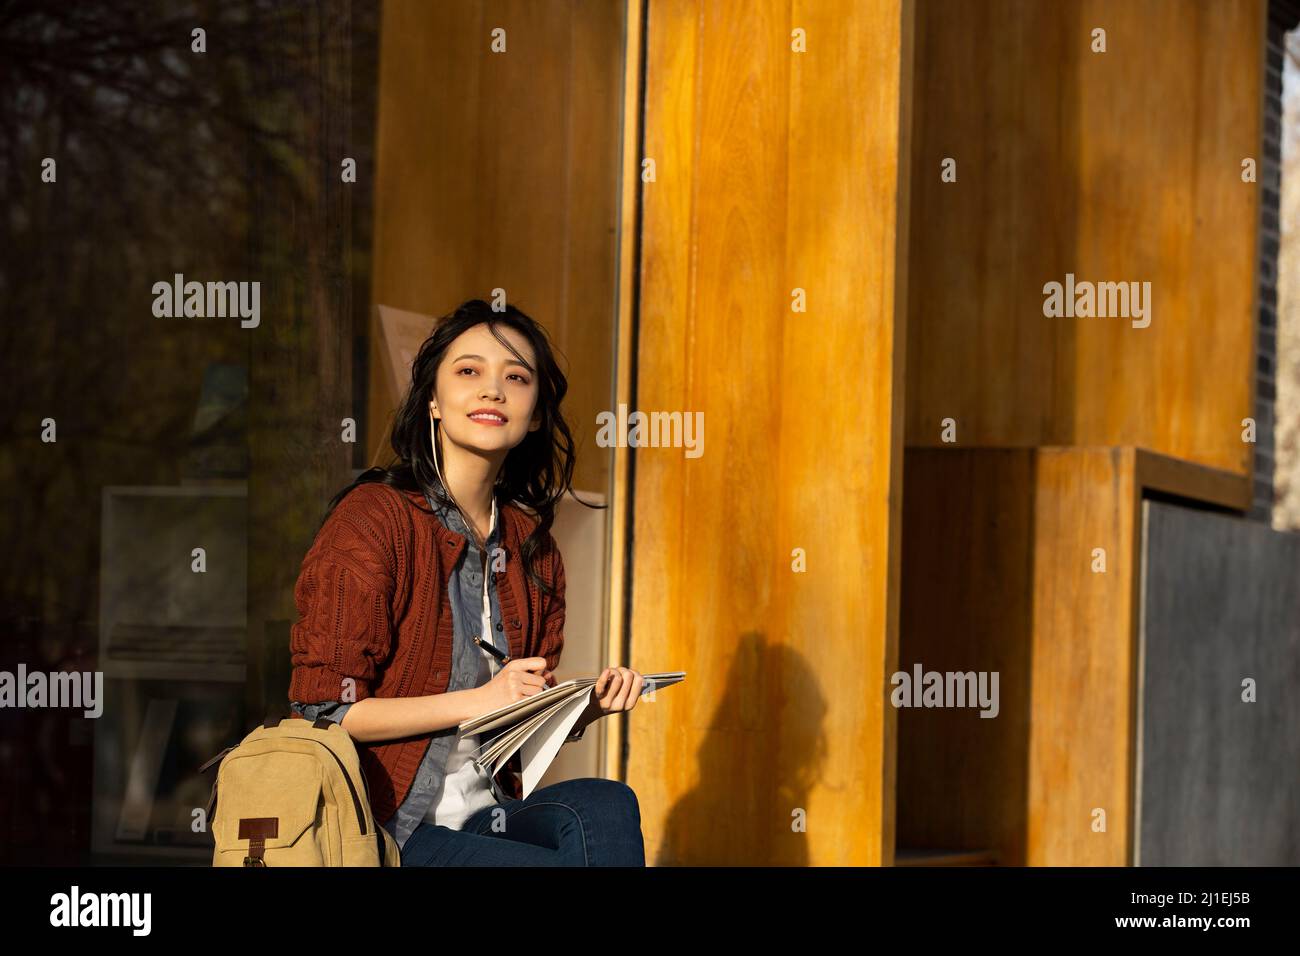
<point x="431" y="596"/>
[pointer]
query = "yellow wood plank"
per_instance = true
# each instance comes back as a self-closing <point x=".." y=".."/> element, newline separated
<point x="766" y="184"/>
<point x="1122" y="166"/>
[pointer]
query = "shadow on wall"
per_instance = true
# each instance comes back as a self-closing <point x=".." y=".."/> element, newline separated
<point x="753" y="777"/>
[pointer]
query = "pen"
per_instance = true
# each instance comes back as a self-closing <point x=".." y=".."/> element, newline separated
<point x="492" y="649"/>
<point x="495" y="651"/>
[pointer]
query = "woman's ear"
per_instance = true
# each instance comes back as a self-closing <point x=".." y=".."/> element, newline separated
<point x="433" y="410"/>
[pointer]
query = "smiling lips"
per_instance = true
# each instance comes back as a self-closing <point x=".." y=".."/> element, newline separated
<point x="485" y="416"/>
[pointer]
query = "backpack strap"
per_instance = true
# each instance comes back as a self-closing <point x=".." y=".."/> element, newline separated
<point x="212" y="798"/>
<point x="216" y="759"/>
<point x="320" y="723"/>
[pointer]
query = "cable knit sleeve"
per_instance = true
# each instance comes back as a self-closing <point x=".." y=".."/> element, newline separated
<point x="344" y="592"/>
<point x="553" y="617"/>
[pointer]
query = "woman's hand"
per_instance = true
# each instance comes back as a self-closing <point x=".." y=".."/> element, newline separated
<point x="617" y="689"/>
<point x="513" y="682"/>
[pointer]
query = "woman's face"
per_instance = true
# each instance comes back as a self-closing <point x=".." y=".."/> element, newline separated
<point x="478" y="373"/>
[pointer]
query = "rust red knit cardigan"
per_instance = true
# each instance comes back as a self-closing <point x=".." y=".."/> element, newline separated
<point x="372" y="605"/>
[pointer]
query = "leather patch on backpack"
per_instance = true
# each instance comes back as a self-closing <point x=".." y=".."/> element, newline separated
<point x="257" y="830"/>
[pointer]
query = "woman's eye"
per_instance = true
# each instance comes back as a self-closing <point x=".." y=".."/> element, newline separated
<point x="468" y="368"/>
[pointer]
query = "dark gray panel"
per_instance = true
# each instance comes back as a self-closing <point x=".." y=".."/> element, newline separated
<point x="1219" y="779"/>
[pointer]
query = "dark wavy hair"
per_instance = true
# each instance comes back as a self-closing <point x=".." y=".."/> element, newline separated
<point x="536" y="473"/>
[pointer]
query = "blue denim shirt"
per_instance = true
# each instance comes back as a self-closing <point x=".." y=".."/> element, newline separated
<point x="466" y="594"/>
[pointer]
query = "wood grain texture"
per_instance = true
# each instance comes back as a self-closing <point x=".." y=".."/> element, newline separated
<point x="501" y="170"/>
<point x="1083" y="657"/>
<point x="615" y="734"/>
<point x="967" y="606"/>
<point x="1196" y="482"/>
<point x="1118" y="166"/>
<point x="998" y="576"/>
<point x="766" y="182"/>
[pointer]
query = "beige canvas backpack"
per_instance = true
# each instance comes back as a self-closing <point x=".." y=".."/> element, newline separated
<point x="293" y="793"/>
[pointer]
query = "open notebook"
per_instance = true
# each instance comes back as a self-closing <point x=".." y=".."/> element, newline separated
<point x="537" y="725"/>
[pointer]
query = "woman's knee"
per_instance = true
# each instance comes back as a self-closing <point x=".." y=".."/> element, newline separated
<point x="595" y="794"/>
<point x="614" y="798"/>
<point x="612" y="807"/>
<point x="627" y="795"/>
<point x="611" y="791"/>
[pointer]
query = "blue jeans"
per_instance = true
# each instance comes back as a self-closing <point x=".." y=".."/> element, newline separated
<point x="585" y="822"/>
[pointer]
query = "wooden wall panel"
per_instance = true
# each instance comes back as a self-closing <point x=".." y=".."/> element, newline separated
<point x="1083" y="743"/>
<point x="502" y="170"/>
<point x="967" y="605"/>
<point x="992" y="92"/>
<point x="425" y="178"/>
<point x="620" y="570"/>
<point x="1083" y="656"/>
<point x="767" y="181"/>
<point x="998" y="576"/>
<point x="1115" y="166"/>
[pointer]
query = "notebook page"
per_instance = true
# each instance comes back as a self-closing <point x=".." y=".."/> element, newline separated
<point x="541" y="747"/>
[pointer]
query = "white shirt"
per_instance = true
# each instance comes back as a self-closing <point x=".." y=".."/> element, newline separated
<point x="465" y="788"/>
